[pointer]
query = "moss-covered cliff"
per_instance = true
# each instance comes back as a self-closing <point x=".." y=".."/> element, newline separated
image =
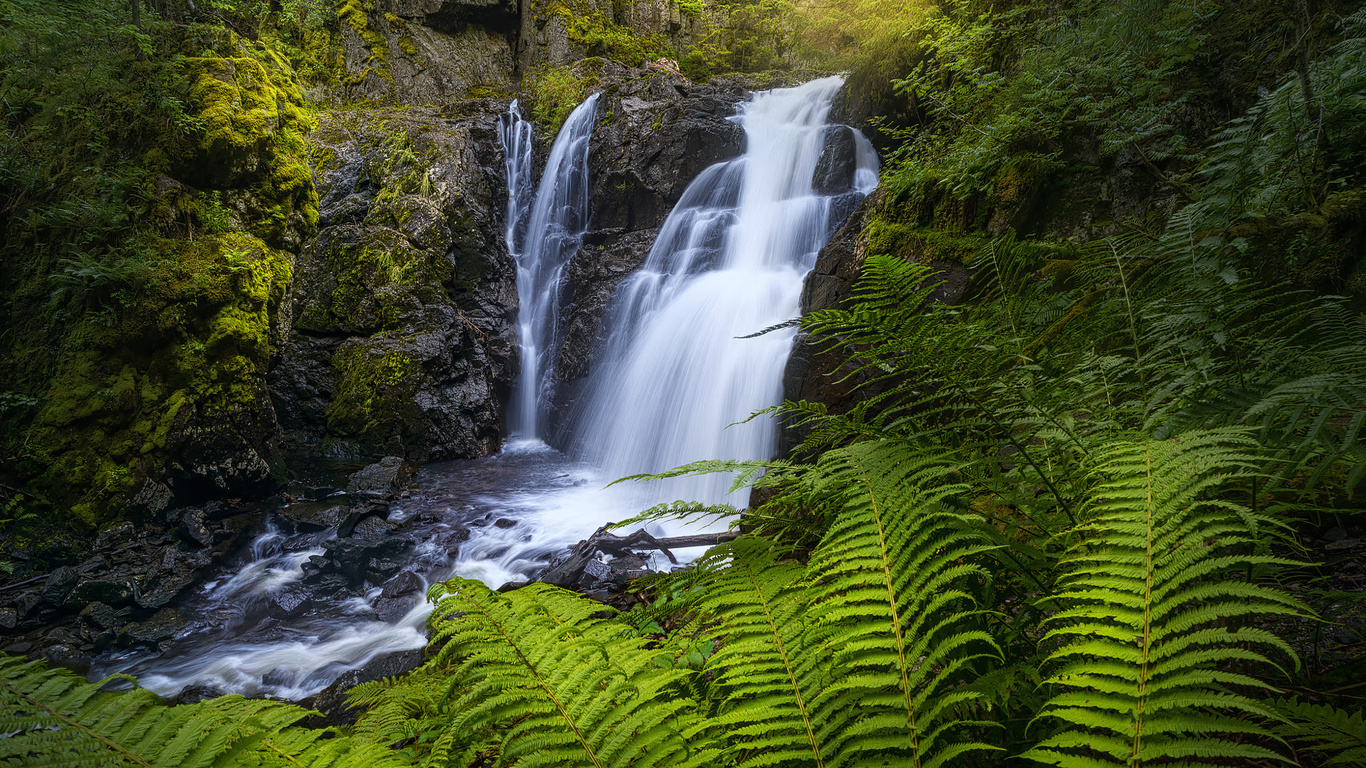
<point x="155" y="189"/>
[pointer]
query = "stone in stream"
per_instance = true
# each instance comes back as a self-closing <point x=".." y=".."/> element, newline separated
<point x="162" y="626"/>
<point x="331" y="702"/>
<point x="372" y="528"/>
<point x="290" y="601"/>
<point x="382" y="480"/>
<point x="405" y="583"/>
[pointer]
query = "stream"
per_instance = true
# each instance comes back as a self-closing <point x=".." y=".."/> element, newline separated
<point x="678" y="371"/>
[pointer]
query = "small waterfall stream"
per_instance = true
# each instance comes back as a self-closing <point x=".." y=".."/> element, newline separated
<point x="555" y="225"/>
<point x="674" y="372"/>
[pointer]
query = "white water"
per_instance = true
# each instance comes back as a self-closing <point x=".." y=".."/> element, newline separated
<point x="674" y="379"/>
<point x="555" y="227"/>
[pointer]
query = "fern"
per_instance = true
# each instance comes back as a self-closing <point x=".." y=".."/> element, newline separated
<point x="1154" y="621"/>
<point x="765" y="676"/>
<point x="888" y="590"/>
<point x="536" y="674"/>
<point x="54" y="718"/>
<point x="1336" y="735"/>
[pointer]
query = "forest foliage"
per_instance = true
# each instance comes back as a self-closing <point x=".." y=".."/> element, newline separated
<point x="1061" y="525"/>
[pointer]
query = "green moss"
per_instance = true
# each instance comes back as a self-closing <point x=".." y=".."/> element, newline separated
<point x="555" y="92"/>
<point x="922" y="244"/>
<point x="374" y="396"/>
<point x="355" y="14"/>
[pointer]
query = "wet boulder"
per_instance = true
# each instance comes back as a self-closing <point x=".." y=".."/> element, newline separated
<point x="292" y="600"/>
<point x="331" y="702"/>
<point x="164" y="625"/>
<point x="351" y="557"/>
<point x="838" y="162"/>
<point x="373" y="528"/>
<point x="405" y="583"/>
<point x="385" y="479"/>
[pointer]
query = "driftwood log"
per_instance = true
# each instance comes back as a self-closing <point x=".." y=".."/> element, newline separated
<point x="568" y="570"/>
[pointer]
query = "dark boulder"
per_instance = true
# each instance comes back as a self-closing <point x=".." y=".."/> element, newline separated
<point x="113" y="591"/>
<point x="838" y="162"/>
<point x="331" y="702"/>
<point x="164" y="625"/>
<point x="383" y="480"/>
<point x="115" y="536"/>
<point x="58" y="585"/>
<point x="351" y="557"/>
<point x="373" y="528"/>
<point x="405" y="583"/>
<point x="289" y="601"/>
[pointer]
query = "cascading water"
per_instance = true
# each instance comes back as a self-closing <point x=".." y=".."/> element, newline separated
<point x="680" y="364"/>
<point x="674" y="372"/>
<point x="516" y="136"/>
<point x="555" y="228"/>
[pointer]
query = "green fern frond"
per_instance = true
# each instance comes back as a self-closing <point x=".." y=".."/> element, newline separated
<point x="765" y="676"/>
<point x="888" y="592"/>
<point x="1155" y="625"/>
<point x="1337" y="736"/>
<point x="557" y="687"/>
<point x="54" y="718"/>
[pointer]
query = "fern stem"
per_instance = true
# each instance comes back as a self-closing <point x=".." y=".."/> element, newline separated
<point x="1143" y="671"/>
<point x="787" y="668"/>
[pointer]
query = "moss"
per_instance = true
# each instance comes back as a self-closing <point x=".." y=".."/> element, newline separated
<point x="356" y="15"/>
<point x="176" y="333"/>
<point x="374" y="401"/>
<point x="555" y="92"/>
<point x="922" y="244"/>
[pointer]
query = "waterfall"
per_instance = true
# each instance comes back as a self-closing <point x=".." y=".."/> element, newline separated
<point x="680" y="368"/>
<point x="542" y="244"/>
<point x="515" y="135"/>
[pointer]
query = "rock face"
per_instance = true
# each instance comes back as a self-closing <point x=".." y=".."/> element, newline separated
<point x="427" y="51"/>
<point x="402" y="340"/>
<point x="656" y="132"/>
<point x="120" y="596"/>
<point x="823" y="377"/>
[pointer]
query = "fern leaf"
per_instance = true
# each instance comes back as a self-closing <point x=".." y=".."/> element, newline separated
<point x="1153" y="617"/>
<point x="559" y="687"/>
<point x="1336" y="735"/>
<point x="58" y="719"/>
<point x="888" y="588"/>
